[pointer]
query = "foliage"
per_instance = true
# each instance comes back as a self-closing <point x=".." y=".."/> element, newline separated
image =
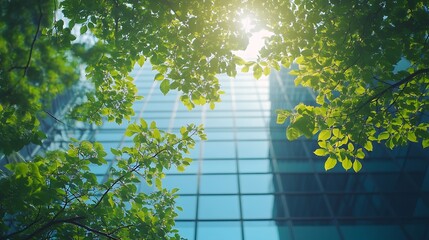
<point x="33" y="69"/>
<point x="367" y="62"/>
<point x="59" y="196"/>
<point x="347" y="52"/>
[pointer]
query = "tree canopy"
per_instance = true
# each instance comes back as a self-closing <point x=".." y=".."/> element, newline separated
<point x="367" y="62"/>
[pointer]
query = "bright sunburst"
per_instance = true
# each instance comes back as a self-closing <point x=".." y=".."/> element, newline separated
<point x="256" y="40"/>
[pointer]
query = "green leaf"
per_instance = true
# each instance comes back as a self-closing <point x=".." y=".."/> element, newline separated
<point x="143" y="123"/>
<point x="180" y="168"/>
<point x="347" y="164"/>
<point x="321" y="152"/>
<point x="360" y="90"/>
<point x="350" y="147"/>
<point x="305" y="125"/>
<point x="141" y="61"/>
<point x="73" y="152"/>
<point x="245" y="68"/>
<point x="159" y="77"/>
<point x="425" y="143"/>
<point x="157" y="134"/>
<point x="158" y="183"/>
<point x="324" y="135"/>
<point x="281" y="118"/>
<point x="183" y="130"/>
<point x="357" y="165"/>
<point x="115" y="152"/>
<point x="360" y="154"/>
<point x="165" y="86"/>
<point x="336" y="132"/>
<point x="267" y="71"/>
<point x="83" y="29"/>
<point x="292" y="133"/>
<point x="257" y="71"/>
<point x="411" y="136"/>
<point x="132" y="129"/>
<point x="330" y="163"/>
<point x="368" y="146"/>
<point x="383" y="136"/>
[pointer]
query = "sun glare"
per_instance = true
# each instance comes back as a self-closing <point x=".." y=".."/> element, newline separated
<point x="256" y="40"/>
<point x="247" y="24"/>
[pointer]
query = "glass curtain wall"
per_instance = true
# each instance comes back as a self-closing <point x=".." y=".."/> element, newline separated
<point x="248" y="182"/>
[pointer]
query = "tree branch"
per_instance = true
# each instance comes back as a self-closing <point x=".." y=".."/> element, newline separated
<point x="37" y="219"/>
<point x="39" y="23"/>
<point x="135" y="168"/>
<point x="52" y="116"/>
<point x="91" y="229"/>
<point x="50" y="224"/>
<point x="392" y="86"/>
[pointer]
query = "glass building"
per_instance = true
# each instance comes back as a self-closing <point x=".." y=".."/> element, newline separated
<point x="247" y="182"/>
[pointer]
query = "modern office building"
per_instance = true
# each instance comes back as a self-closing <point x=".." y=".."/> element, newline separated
<point x="247" y="182"/>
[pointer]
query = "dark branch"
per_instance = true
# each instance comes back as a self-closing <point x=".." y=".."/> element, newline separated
<point x="121" y="227"/>
<point x="52" y="116"/>
<point x="37" y="219"/>
<point x="50" y="224"/>
<point x="134" y="169"/>
<point x="92" y="229"/>
<point x="392" y="86"/>
<point x="32" y="45"/>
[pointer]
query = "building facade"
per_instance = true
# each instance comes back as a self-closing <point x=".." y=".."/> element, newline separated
<point x="247" y="182"/>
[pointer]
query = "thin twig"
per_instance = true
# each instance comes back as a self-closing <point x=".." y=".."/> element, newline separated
<point x="52" y="116"/>
<point x="91" y="229"/>
<point x="403" y="81"/>
<point x="32" y="45"/>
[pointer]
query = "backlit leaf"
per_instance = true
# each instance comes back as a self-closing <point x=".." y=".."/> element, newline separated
<point x="330" y="163"/>
<point x="357" y="165"/>
<point x="346" y="163"/>
<point x="321" y="152"/>
<point x="165" y="86"/>
<point x="324" y="135"/>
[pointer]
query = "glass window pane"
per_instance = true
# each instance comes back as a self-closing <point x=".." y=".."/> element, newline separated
<point x="308" y="205"/>
<point x="257" y="230"/>
<point x="317" y="232"/>
<point x="254" y="166"/>
<point x="189" y="206"/>
<point x="299" y="183"/>
<point x="230" y="230"/>
<point x="252" y="135"/>
<point x="187" y="184"/>
<point x="250" y="122"/>
<point x="369" y="232"/>
<point x="218" y="207"/>
<point x="253" y="149"/>
<point x="224" y="149"/>
<point x="258" y="206"/>
<point x="218" y="184"/>
<point x="186" y="229"/>
<point x="219" y="166"/>
<point x="218" y="123"/>
<point x="256" y="183"/>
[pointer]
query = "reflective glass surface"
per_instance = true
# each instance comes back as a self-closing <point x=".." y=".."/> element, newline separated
<point x="248" y="182"/>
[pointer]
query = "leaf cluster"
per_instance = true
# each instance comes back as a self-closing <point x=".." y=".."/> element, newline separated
<point x="367" y="63"/>
<point x="58" y="195"/>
